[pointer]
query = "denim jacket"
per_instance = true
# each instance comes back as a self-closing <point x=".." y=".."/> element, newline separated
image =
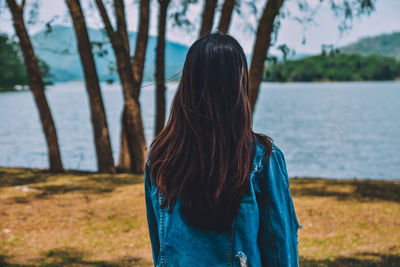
<point x="264" y="232"/>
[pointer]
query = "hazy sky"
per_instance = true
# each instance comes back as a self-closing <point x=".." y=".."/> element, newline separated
<point x="324" y="30"/>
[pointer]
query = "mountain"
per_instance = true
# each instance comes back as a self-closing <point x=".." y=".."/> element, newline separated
<point x="384" y="45"/>
<point x="58" y="49"/>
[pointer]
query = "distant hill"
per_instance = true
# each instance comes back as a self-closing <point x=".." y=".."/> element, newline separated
<point x="384" y="45"/>
<point x="58" y="49"/>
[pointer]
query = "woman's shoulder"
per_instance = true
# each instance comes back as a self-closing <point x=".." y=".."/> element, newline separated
<point x="270" y="167"/>
<point x="267" y="152"/>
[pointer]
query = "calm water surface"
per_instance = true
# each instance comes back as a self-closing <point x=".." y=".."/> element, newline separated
<point x="334" y="130"/>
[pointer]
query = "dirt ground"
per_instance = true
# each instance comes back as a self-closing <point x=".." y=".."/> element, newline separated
<point x="87" y="219"/>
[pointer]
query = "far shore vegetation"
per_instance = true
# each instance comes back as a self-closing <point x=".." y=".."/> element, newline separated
<point x="334" y="66"/>
<point x="90" y="219"/>
<point x="13" y="74"/>
<point x="373" y="58"/>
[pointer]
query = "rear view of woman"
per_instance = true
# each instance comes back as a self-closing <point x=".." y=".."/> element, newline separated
<point x="217" y="194"/>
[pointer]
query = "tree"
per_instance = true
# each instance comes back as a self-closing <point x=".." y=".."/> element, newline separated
<point x="36" y="85"/>
<point x="345" y="9"/>
<point x="160" y="67"/>
<point x="261" y="46"/>
<point x="285" y="50"/>
<point x="207" y="19"/>
<point x="133" y="144"/>
<point x="125" y="158"/>
<point x="105" y="162"/>
<point x="226" y="15"/>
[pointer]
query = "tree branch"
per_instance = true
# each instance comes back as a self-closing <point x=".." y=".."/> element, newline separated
<point x="22" y="5"/>
<point x="141" y="43"/>
<point x="12" y="5"/>
<point x="106" y="20"/>
<point x="226" y="15"/>
<point x="207" y="17"/>
<point x="119" y="10"/>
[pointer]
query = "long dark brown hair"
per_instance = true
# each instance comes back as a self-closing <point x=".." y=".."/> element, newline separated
<point x="203" y="155"/>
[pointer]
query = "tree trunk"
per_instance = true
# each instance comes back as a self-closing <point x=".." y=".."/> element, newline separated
<point x="207" y="19"/>
<point x="261" y="46"/>
<point x="160" y="67"/>
<point x="124" y="163"/>
<point x="36" y="86"/>
<point x="226" y="15"/>
<point x="133" y="143"/>
<point x="105" y="162"/>
<point x="132" y="132"/>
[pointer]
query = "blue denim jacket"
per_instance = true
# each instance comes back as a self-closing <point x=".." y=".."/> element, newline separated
<point x="264" y="232"/>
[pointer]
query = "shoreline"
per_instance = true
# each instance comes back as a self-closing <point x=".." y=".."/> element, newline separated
<point x="75" y="171"/>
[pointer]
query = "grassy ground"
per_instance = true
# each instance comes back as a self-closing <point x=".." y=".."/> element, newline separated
<point x="85" y="219"/>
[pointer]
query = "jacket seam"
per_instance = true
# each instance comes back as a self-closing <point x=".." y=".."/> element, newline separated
<point x="269" y="222"/>
<point x="161" y="229"/>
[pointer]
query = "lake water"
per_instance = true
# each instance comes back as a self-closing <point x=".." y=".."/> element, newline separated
<point x="333" y="130"/>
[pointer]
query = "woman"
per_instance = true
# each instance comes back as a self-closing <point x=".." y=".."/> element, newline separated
<point x="217" y="194"/>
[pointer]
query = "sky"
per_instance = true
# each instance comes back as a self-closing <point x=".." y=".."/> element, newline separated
<point x="323" y="29"/>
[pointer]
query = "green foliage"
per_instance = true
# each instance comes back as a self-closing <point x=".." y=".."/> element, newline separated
<point x="12" y="68"/>
<point x="335" y="67"/>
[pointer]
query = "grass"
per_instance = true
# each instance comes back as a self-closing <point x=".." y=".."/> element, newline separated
<point x="86" y="219"/>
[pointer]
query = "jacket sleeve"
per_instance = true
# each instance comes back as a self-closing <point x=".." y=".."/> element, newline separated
<point x="278" y="221"/>
<point x="151" y="216"/>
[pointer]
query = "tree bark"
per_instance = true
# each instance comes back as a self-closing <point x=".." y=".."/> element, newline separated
<point x="36" y="86"/>
<point x="125" y="160"/>
<point x="141" y="45"/>
<point x="207" y="17"/>
<point x="105" y="162"/>
<point x="132" y="133"/>
<point x="160" y="67"/>
<point x="261" y="46"/>
<point x="226" y="15"/>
